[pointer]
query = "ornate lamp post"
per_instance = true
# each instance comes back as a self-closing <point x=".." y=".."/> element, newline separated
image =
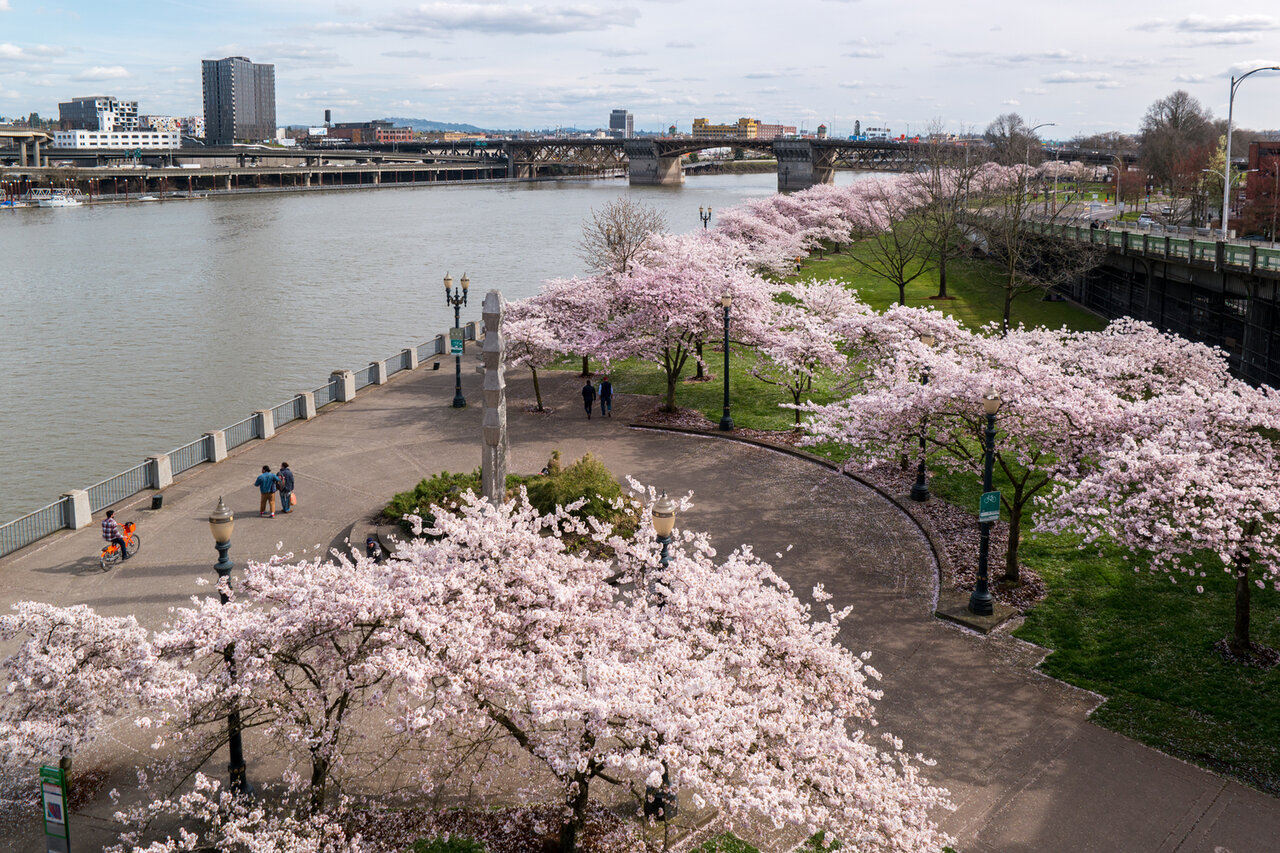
<point x="457" y="300"/>
<point x="981" y="602"/>
<point x="221" y="523"/>
<point x="663" y="517"/>
<point x="920" y="489"/>
<point x="1226" y="166"/>
<point x="705" y="216"/>
<point x="726" y="422"/>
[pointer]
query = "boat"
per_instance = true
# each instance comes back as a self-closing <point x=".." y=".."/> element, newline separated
<point x="148" y="198"/>
<point x="55" y="197"/>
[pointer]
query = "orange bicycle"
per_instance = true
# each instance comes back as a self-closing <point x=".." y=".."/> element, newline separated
<point x="111" y="551"/>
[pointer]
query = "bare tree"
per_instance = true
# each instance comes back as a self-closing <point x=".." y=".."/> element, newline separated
<point x="613" y="235"/>
<point x="1012" y="141"/>
<point x="943" y="181"/>
<point x="897" y="248"/>
<point x="1173" y="127"/>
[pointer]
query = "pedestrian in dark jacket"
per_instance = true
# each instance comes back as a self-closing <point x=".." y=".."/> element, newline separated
<point x="588" y="398"/>
<point x="606" y="398"/>
<point x="284" y="480"/>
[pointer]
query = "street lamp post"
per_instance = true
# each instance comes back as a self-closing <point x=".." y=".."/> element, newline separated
<point x="1027" y="159"/>
<point x="920" y="489"/>
<point x="726" y="422"/>
<point x="705" y="216"/>
<point x="457" y="300"/>
<point x="1226" y="165"/>
<point x="221" y="523"/>
<point x="981" y="602"/>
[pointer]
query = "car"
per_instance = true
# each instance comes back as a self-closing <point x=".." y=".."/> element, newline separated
<point x="1166" y="211"/>
<point x="1145" y="219"/>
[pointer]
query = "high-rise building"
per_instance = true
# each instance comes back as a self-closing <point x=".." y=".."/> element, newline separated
<point x="239" y="100"/>
<point x="620" y="124"/>
<point x="98" y="112"/>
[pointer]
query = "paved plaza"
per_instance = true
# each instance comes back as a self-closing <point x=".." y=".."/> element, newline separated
<point x="1024" y="765"/>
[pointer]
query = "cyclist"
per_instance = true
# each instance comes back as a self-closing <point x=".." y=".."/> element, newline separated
<point x="112" y="534"/>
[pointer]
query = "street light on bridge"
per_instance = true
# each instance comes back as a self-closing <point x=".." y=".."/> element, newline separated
<point x="1226" y="166"/>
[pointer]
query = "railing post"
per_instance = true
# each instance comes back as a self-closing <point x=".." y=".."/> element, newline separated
<point x="411" y="358"/>
<point x="346" y="385"/>
<point x="161" y="473"/>
<point x="442" y="344"/>
<point x="308" y="399"/>
<point x="266" y="423"/>
<point x="379" y="372"/>
<point x="78" y="512"/>
<point x="217" y="445"/>
<point x="1167" y="241"/>
<point x="1253" y="259"/>
<point x="1220" y="255"/>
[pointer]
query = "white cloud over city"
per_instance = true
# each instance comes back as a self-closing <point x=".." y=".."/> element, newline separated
<point x="552" y="63"/>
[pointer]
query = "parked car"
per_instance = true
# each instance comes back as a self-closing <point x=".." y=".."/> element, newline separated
<point x="1145" y="219"/>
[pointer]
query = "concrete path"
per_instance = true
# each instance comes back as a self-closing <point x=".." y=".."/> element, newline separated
<point x="1025" y="767"/>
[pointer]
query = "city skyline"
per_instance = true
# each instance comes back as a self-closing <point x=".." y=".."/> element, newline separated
<point x="507" y="65"/>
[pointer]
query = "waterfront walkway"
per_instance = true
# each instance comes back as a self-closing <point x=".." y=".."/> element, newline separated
<point x="1025" y="767"/>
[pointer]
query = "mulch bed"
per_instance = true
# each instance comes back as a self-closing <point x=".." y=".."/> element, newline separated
<point x="1257" y="655"/>
<point x="955" y="528"/>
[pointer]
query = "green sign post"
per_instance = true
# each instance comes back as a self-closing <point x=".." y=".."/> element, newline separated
<point x="53" y="792"/>
<point x="455" y="341"/>
<point x="989" y="506"/>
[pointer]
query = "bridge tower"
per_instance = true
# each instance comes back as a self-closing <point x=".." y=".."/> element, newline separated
<point x="801" y="165"/>
<point x="647" y="166"/>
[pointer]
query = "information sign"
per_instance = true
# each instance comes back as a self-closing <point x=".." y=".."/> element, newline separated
<point x="989" y="507"/>
<point x="455" y="341"/>
<point x="53" y="794"/>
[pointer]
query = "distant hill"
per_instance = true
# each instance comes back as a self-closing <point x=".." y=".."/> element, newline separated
<point x="422" y="124"/>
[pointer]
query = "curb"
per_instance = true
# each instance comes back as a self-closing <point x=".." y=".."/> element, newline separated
<point x="940" y="559"/>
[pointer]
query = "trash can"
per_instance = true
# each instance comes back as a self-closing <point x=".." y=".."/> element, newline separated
<point x="157" y="501"/>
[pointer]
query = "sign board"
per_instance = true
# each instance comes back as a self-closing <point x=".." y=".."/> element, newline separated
<point x="989" y="506"/>
<point x="455" y="341"/>
<point x="53" y="795"/>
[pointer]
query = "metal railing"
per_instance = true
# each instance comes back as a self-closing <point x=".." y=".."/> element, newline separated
<point x="34" y="526"/>
<point x="1153" y="241"/>
<point x="121" y="486"/>
<point x="189" y="455"/>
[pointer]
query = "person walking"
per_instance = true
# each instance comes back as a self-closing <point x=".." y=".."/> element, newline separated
<point x="606" y="397"/>
<point x="266" y="484"/>
<point x="284" y="482"/>
<point x="588" y="398"/>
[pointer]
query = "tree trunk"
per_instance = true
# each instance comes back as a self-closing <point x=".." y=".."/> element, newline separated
<point x="319" y="776"/>
<point x="1011" y="573"/>
<point x="942" y="272"/>
<point x="578" y="815"/>
<point x="795" y="395"/>
<point x="586" y="366"/>
<point x="537" y="391"/>
<point x="1240" y="634"/>
<point x="1008" y="307"/>
<point x="902" y="294"/>
<point x="699" y="373"/>
<point x="671" y="391"/>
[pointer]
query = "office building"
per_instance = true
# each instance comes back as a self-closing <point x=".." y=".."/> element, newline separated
<point x="98" y="112"/>
<point x="775" y="131"/>
<point x="121" y="139"/>
<point x="239" y="101"/>
<point x="620" y="124"/>
<point x="370" y="132"/>
<point x="745" y="128"/>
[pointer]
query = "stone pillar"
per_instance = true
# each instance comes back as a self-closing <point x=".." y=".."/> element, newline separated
<point x="266" y="423"/>
<point x="22" y="153"/>
<point x="161" y="471"/>
<point x="800" y="166"/>
<point x="79" y="514"/>
<point x="308" y="399"/>
<point x="346" y="385"/>
<point x="411" y="356"/>
<point x="35" y="150"/>
<point x="379" y="372"/>
<point x="646" y="167"/>
<point x="493" y="462"/>
<point x="217" y="445"/>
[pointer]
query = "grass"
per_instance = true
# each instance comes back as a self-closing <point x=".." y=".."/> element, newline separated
<point x="1146" y="644"/>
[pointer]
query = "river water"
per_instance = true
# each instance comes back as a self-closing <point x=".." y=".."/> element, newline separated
<point x="130" y="329"/>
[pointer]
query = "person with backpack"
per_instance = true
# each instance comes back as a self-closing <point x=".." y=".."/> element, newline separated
<point x="588" y="398"/>
<point x="266" y="484"/>
<point x="606" y="397"/>
<point x="284" y="482"/>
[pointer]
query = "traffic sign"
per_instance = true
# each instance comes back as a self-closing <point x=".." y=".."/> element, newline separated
<point x="989" y="507"/>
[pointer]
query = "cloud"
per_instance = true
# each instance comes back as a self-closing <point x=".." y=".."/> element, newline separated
<point x="864" y="53"/>
<point x="444" y="17"/>
<point x="303" y="53"/>
<point x="1077" y="77"/>
<point x="1035" y="91"/>
<point x="103" y="72"/>
<point x="1226" y="23"/>
<point x="25" y="54"/>
<point x="762" y="75"/>
<point x="1189" y="78"/>
<point x="681" y="45"/>
<point x="619" y="51"/>
<point x="851" y="84"/>
<point x="4" y="6"/>
<point x="1151" y="25"/>
<point x="631" y="69"/>
<point x="1012" y="102"/>
<point x="1219" y="39"/>
<point x="407" y="54"/>
<point x="1045" y="56"/>
<point x="1108" y="84"/>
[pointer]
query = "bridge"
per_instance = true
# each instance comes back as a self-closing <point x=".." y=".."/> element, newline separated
<point x="22" y="137"/>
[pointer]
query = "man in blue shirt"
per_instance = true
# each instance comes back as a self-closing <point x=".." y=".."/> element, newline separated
<point x="266" y="484"/>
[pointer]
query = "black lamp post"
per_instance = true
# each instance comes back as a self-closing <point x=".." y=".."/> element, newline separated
<point x="726" y="422"/>
<point x="457" y="300"/>
<point x="705" y="216"/>
<point x="981" y="602"/>
<point x="920" y="489"/>
<point x="222" y="522"/>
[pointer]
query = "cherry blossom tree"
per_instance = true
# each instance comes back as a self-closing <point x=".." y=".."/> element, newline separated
<point x="530" y="340"/>
<point x="898" y="239"/>
<point x="1191" y="486"/>
<point x="669" y="301"/>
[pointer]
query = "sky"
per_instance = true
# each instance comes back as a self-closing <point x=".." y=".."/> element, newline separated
<point x="1085" y="66"/>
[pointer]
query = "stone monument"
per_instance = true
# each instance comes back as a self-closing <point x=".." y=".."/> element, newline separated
<point x="493" y="463"/>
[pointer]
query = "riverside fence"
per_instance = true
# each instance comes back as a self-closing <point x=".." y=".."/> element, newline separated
<point x="74" y="509"/>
